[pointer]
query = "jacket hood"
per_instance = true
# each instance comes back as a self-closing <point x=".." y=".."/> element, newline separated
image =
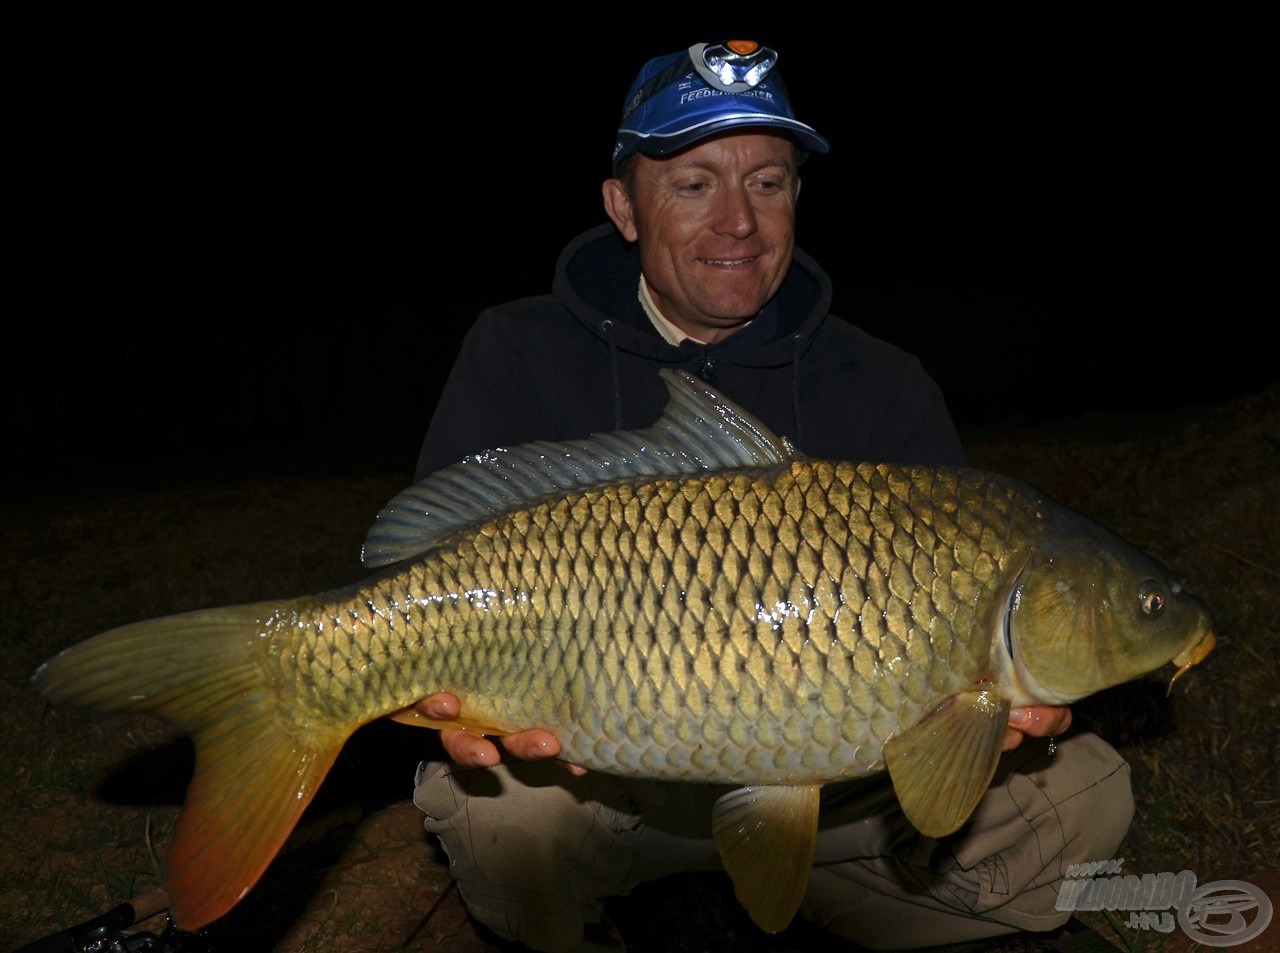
<point x="598" y="277"/>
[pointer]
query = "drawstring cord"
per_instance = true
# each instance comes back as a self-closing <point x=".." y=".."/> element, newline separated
<point x="607" y="327"/>
<point x="795" y="388"/>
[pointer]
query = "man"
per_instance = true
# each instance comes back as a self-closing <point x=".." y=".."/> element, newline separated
<point x="699" y="270"/>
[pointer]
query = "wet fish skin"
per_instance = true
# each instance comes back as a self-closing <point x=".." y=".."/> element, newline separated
<point x="772" y="647"/>
<point x="691" y="602"/>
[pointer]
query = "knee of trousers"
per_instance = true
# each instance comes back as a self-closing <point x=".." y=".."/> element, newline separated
<point x="1002" y="871"/>
<point x="1044" y="813"/>
<point x="1095" y="799"/>
<point x="1064" y="805"/>
<point x="532" y="848"/>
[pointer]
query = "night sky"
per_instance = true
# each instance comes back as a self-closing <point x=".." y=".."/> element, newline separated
<point x="273" y="235"/>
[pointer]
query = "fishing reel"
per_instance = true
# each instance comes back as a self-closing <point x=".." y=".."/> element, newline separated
<point x="106" y="934"/>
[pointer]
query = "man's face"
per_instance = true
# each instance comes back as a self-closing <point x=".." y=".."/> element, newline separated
<point x="715" y="226"/>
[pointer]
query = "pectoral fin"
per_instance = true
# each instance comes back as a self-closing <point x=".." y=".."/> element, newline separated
<point x="766" y="837"/>
<point x="942" y="765"/>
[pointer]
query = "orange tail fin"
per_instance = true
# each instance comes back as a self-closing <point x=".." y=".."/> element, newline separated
<point x="258" y="764"/>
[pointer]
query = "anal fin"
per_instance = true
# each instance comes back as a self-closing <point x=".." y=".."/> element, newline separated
<point x="412" y="716"/>
<point x="767" y="837"/>
<point x="942" y="765"/>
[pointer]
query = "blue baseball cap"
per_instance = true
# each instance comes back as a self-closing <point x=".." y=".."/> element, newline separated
<point x="685" y="97"/>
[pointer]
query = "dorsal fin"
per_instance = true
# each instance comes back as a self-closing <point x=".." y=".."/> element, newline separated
<point x="700" y="430"/>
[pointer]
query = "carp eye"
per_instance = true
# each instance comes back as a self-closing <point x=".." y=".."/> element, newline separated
<point x="1151" y="595"/>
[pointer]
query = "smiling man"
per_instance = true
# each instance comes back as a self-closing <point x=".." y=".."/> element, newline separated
<point x="698" y="270"/>
<point x="715" y="226"/>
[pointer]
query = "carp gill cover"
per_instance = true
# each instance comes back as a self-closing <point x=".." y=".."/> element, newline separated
<point x="695" y="601"/>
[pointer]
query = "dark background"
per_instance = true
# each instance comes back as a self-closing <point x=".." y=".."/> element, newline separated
<point x="242" y="239"/>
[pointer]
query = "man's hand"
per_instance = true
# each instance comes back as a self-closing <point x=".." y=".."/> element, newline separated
<point x="1038" y="721"/>
<point x="474" y="750"/>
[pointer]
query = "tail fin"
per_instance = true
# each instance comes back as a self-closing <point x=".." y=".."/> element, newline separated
<point x="257" y="764"/>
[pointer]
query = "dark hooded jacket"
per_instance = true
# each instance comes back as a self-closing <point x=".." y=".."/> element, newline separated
<point x="585" y="359"/>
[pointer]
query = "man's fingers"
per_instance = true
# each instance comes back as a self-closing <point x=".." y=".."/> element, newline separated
<point x="440" y="705"/>
<point x="469" y="749"/>
<point x="1038" y="721"/>
<point x="532" y="745"/>
<point x="474" y="750"/>
<point x="1041" y="721"/>
<point x="536" y="744"/>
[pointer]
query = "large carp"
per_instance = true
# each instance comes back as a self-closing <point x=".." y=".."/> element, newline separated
<point x="694" y="601"/>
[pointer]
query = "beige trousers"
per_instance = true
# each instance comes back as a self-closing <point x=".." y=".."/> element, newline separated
<point x="534" y="850"/>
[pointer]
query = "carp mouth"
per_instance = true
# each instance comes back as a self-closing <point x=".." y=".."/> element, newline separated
<point x="1192" y="656"/>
